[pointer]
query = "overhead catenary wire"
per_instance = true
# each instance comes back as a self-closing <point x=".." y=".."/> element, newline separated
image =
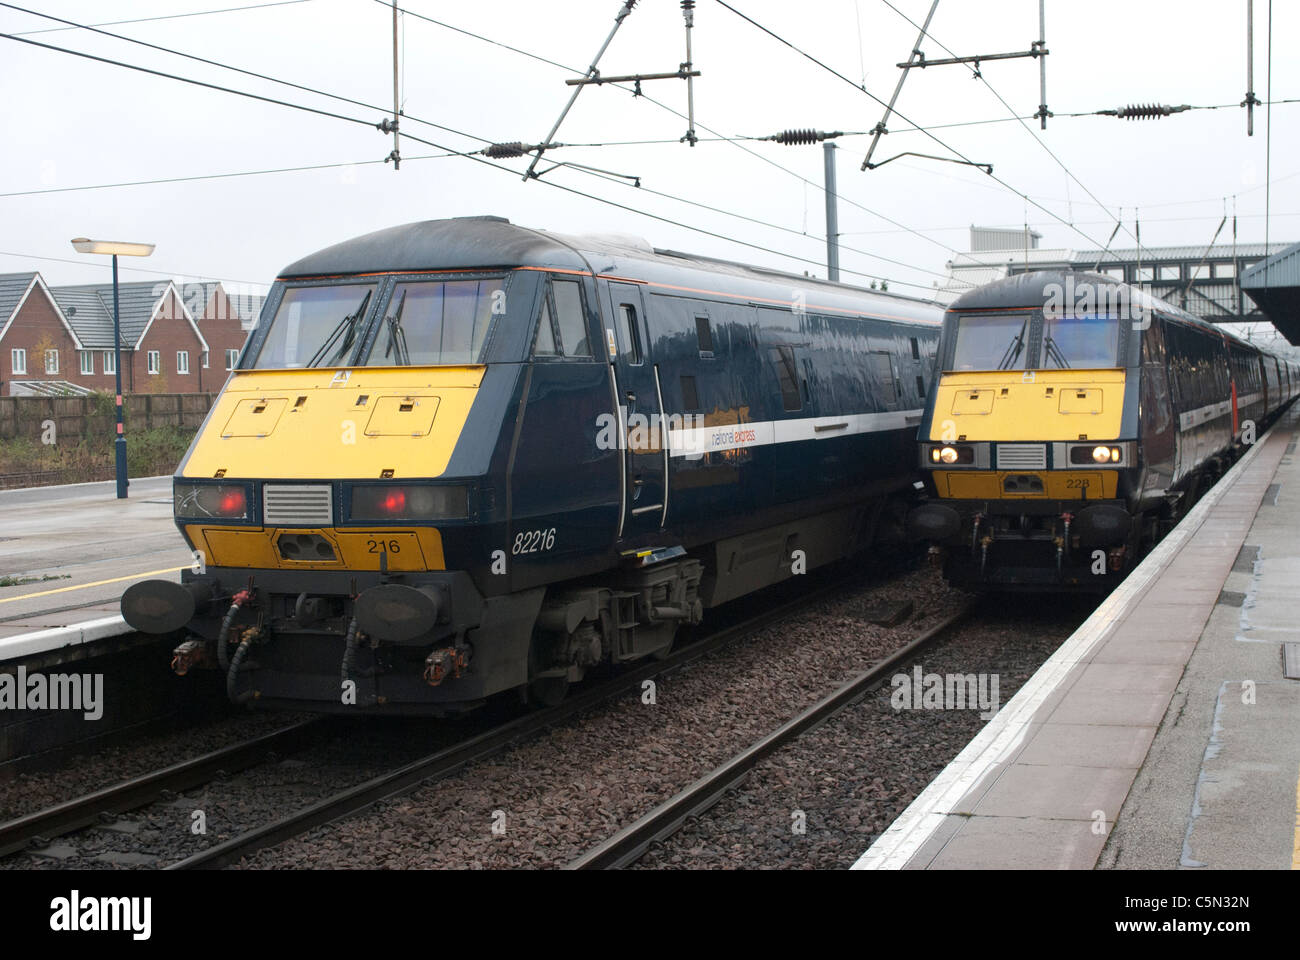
<point x="922" y="129"/>
<point x="129" y="269"/>
<point x="407" y="135"/>
<point x="220" y="176"/>
<point x="1037" y="139"/>
<point x="734" y="141"/>
<point x="72" y="24"/>
<point x="174" y="16"/>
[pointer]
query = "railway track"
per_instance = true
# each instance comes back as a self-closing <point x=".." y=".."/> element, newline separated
<point x="630" y="844"/>
<point x="444" y="762"/>
<point x="63" y="818"/>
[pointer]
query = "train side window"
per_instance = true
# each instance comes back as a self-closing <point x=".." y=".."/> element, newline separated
<point x="704" y="334"/>
<point x="787" y="376"/>
<point x="574" y="339"/>
<point x="690" y="396"/>
<point x="883" y="368"/>
<point x="920" y="387"/>
<point x="631" y="334"/>
<point x="544" y="345"/>
<point x="916" y="349"/>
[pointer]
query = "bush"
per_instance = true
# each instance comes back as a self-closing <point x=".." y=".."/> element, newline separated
<point x="25" y="462"/>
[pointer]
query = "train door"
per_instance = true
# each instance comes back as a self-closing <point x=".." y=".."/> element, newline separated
<point x="1158" y="430"/>
<point x="639" y="399"/>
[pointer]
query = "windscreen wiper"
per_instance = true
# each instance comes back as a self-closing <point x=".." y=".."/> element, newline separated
<point x="1013" y="349"/>
<point x="1054" y="352"/>
<point x="397" y="336"/>
<point x="347" y="329"/>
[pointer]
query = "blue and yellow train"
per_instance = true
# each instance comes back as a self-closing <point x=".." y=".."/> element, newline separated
<point x="463" y="456"/>
<point x="1075" y="420"/>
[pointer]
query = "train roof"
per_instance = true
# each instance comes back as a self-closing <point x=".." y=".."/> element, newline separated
<point x="1024" y="289"/>
<point x="485" y="242"/>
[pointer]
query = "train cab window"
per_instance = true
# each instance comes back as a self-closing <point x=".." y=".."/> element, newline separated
<point x="787" y="376"/>
<point x="704" y="334"/>
<point x="986" y="342"/>
<point x="1081" y="342"/>
<point x="544" y="345"/>
<point x="436" y="322"/>
<point x="572" y="318"/>
<point x="316" y="327"/>
<point x="631" y="334"/>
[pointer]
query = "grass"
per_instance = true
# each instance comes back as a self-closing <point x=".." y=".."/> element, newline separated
<point x="30" y="463"/>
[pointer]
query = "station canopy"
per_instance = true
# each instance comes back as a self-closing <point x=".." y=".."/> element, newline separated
<point x="1274" y="284"/>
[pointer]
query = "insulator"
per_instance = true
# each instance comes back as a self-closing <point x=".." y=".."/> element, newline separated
<point x="793" y="138"/>
<point x="1146" y="111"/>
<point x="503" y="151"/>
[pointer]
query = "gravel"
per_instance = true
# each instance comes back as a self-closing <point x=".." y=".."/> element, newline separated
<point x="544" y="802"/>
<point x="824" y="799"/>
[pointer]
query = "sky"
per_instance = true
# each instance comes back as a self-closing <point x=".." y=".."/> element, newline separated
<point x="72" y="122"/>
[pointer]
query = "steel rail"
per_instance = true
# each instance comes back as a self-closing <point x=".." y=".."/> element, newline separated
<point x="630" y="844"/>
<point x="446" y="761"/>
<point x="140" y="791"/>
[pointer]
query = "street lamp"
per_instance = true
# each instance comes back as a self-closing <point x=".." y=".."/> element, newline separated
<point x="116" y="249"/>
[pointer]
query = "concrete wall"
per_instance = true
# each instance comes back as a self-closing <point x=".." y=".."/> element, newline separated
<point x="75" y="417"/>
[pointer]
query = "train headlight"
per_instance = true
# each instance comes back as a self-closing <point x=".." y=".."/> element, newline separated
<point x="408" y="502"/>
<point x="200" y="501"/>
<point x="952" y="454"/>
<point x="1100" y="455"/>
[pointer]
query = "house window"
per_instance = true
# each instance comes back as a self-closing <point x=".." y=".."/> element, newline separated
<point x="110" y="362"/>
<point x="232" y="358"/>
<point x="51" y="361"/>
<point x="204" y="357"/>
<point x="18" y="358"/>
<point x="155" y="361"/>
<point x="182" y="361"/>
<point x="87" y="362"/>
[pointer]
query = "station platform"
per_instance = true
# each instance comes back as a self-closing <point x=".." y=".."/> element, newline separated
<point x="68" y="552"/>
<point x="1165" y="733"/>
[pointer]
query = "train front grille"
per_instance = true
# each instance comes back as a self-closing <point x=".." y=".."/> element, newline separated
<point x="297" y="505"/>
<point x="1022" y="456"/>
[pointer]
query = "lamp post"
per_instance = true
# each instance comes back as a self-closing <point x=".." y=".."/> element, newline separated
<point x="115" y="249"/>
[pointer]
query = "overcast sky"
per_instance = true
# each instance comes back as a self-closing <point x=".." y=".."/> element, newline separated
<point x="72" y="122"/>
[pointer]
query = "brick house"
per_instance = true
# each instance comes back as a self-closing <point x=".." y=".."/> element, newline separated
<point x="174" y="339"/>
<point x="162" y="349"/>
<point x="225" y="317"/>
<point x="38" y="345"/>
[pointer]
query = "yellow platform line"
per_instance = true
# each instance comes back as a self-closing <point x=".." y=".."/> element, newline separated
<point x="97" y="583"/>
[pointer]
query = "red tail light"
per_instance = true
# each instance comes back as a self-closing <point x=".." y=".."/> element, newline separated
<point x="232" y="503"/>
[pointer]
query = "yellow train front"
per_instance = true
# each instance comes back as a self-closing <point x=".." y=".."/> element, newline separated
<point x="1074" y="421"/>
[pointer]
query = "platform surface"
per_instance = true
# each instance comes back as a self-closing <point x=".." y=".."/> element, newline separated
<point x="68" y="552"/>
<point x="1163" y="733"/>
